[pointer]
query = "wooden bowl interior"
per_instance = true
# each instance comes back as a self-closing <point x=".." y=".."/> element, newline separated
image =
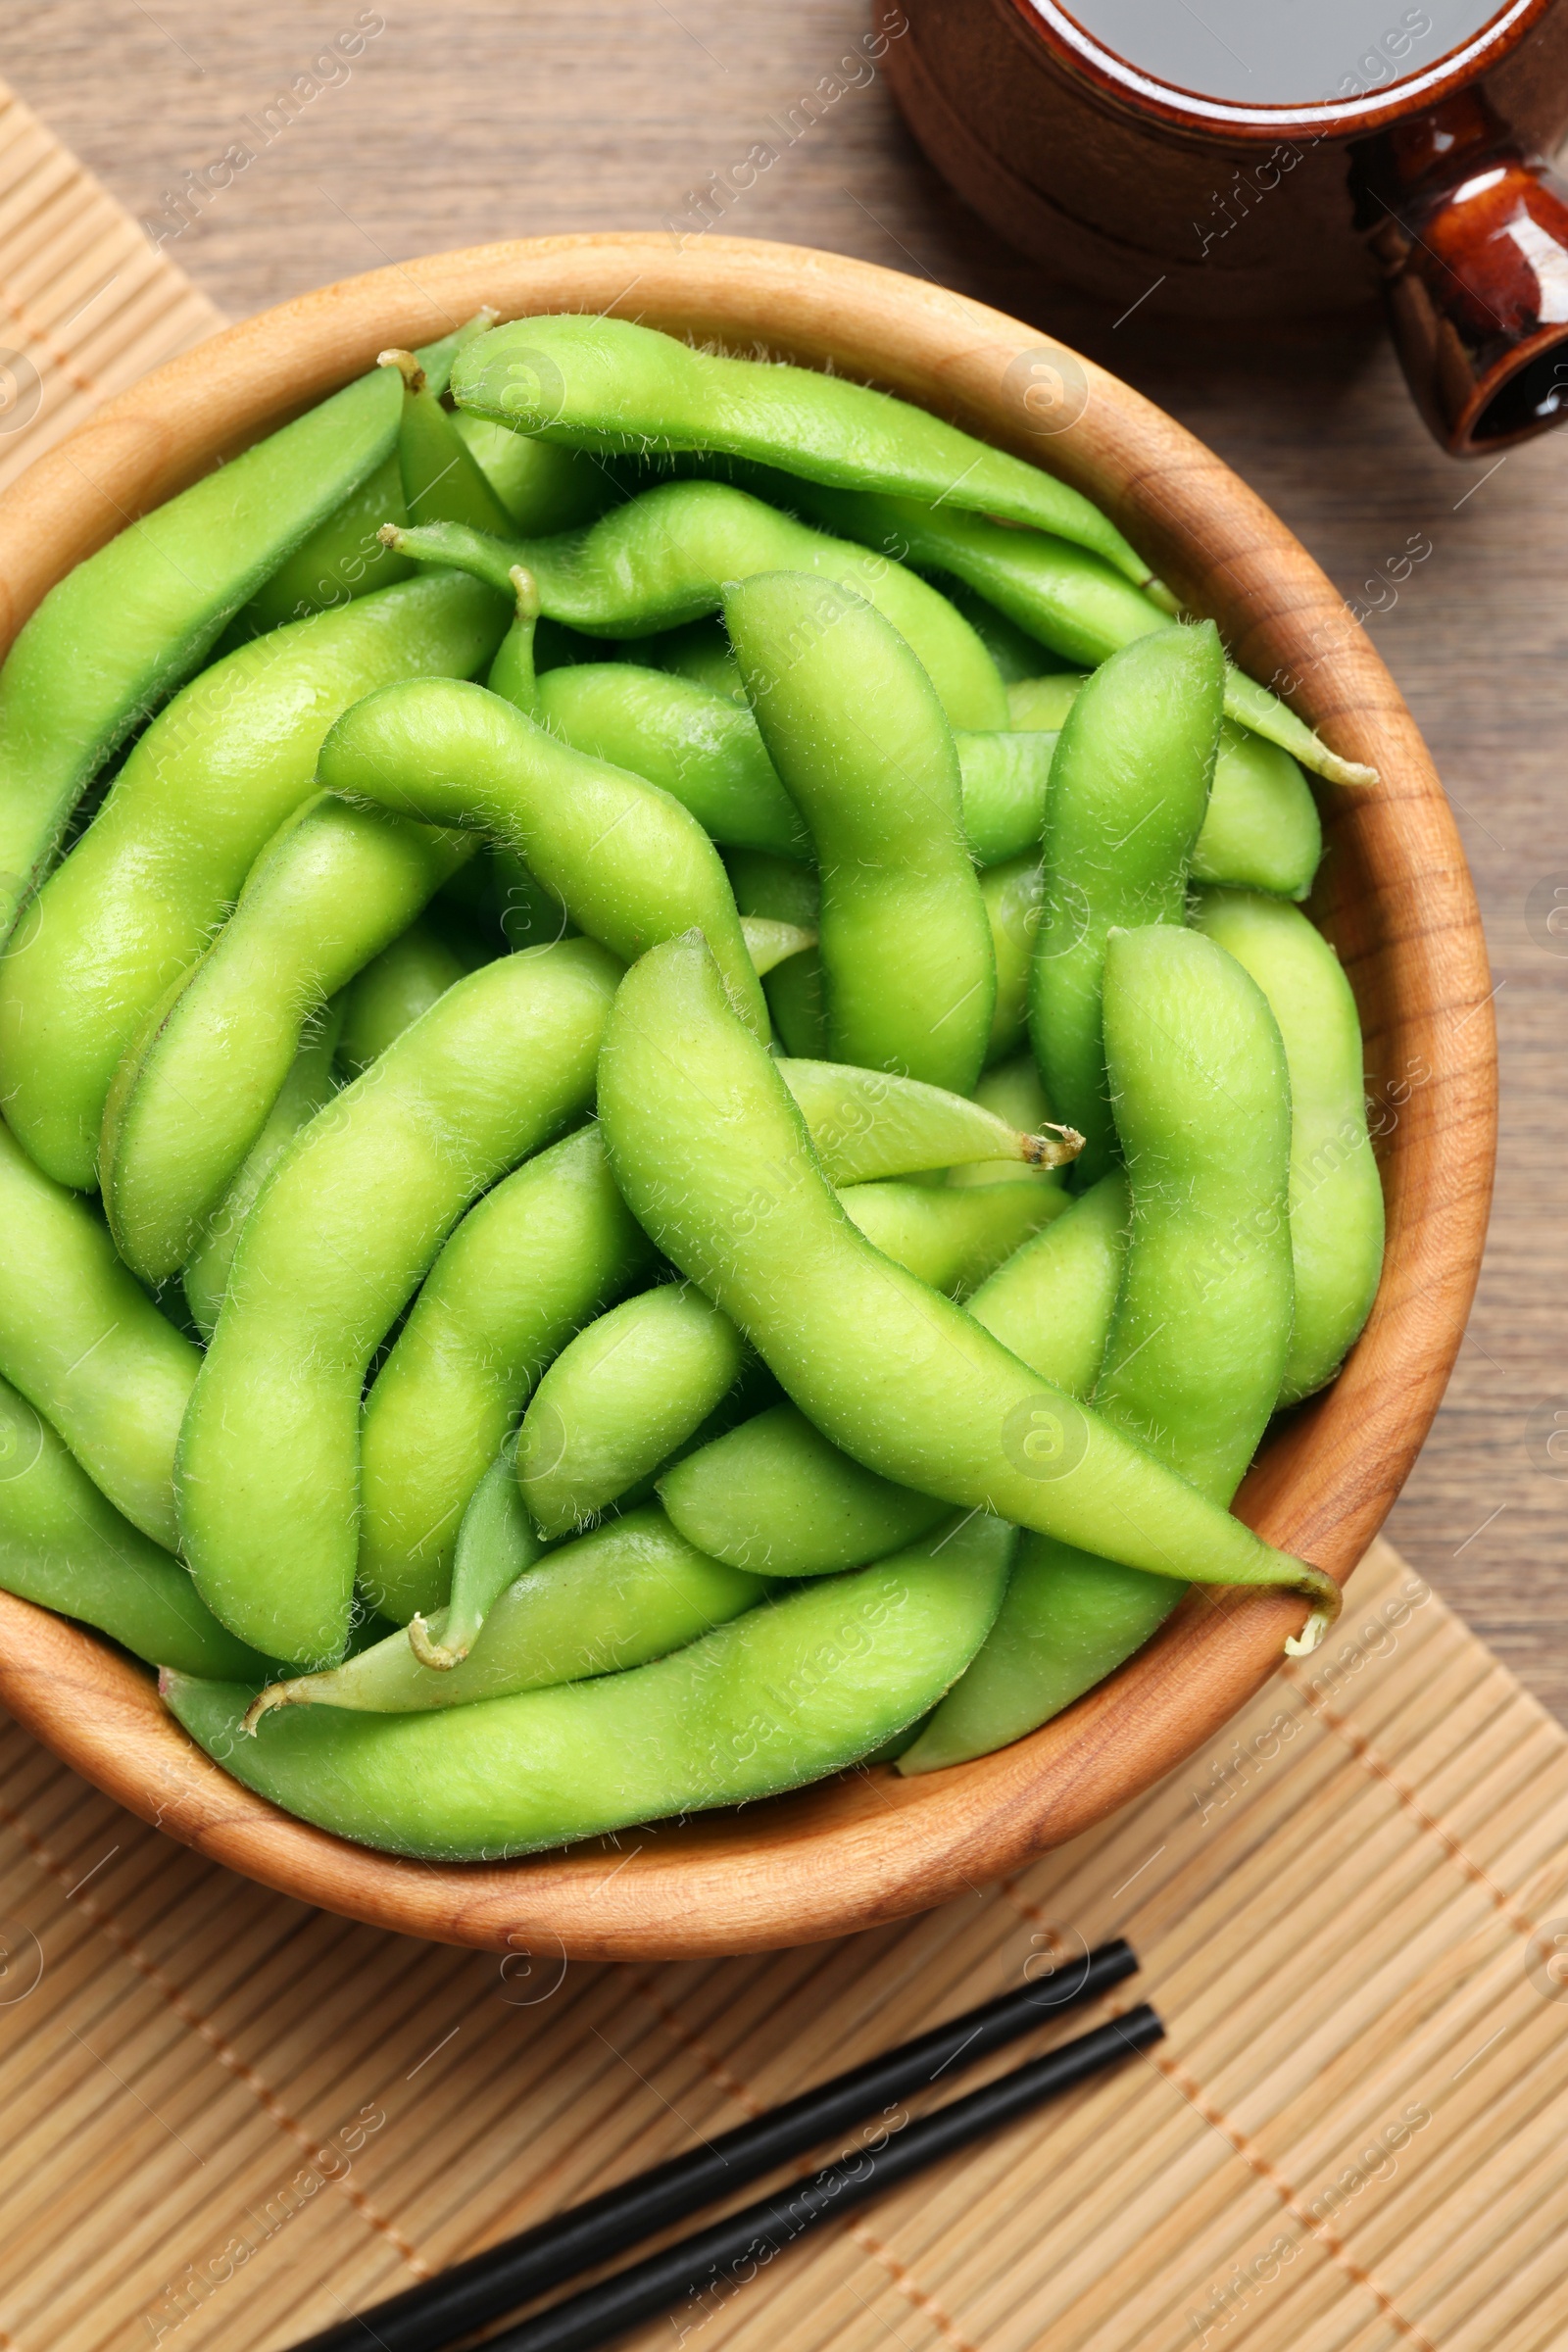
<point x="1394" y="897"/>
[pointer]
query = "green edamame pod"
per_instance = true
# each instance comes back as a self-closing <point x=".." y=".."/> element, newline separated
<point x="333" y="889"/>
<point x="1262" y="831"/>
<point x="1013" y="895"/>
<point x="698" y="649"/>
<point x="701" y="747"/>
<point x="349" y="1221"/>
<point x="497" y="1542"/>
<point x="949" y="1238"/>
<point x="64" y="1546"/>
<point x="620" y="1399"/>
<point x="542" y="1254"/>
<point x="1335" y="1197"/>
<point x="778" y="891"/>
<point x="309" y="1083"/>
<point x="1076" y="606"/>
<point x="1053" y="1300"/>
<point x="770" y="944"/>
<point x="774" y="1494"/>
<point x="512" y="674"/>
<point x="783" y="1694"/>
<point x="116" y="636"/>
<point x="887" y="1369"/>
<point x="618" y="1596"/>
<point x="403" y="982"/>
<point x="866" y="1124"/>
<point x="345" y="557"/>
<point x="205" y="789"/>
<point x="623" y="858"/>
<point x="1201" y="1324"/>
<point x="667" y="557"/>
<point x="1016" y="655"/>
<point x="1129" y="789"/>
<point x="544" y="489"/>
<point x="609" y="385"/>
<point x="1005" y="780"/>
<point x="855" y="730"/>
<point x="441" y="481"/>
<point x="86" y="1346"/>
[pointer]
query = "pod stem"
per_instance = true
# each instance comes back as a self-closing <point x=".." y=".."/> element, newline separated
<point x="407" y="365"/>
<point x="276" y="1694"/>
<point x="1316" y="1586"/>
<point x="433" y="1653"/>
<point x="1052" y="1148"/>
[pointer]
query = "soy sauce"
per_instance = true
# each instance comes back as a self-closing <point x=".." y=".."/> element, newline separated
<point x="1281" y="52"/>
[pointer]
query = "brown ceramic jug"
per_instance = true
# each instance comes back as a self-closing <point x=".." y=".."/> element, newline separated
<point x="1255" y="158"/>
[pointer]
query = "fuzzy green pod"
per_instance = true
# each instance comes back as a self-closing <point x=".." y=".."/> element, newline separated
<point x="1129" y="790"/>
<point x="336" y="887"/>
<point x="544" y="1252"/>
<point x="1335" y="1195"/>
<point x="785" y="1692"/>
<point x="200" y="796"/>
<point x="347" y="1224"/>
<point x="621" y="389"/>
<point x="855" y="731"/>
<point x="712" y="1158"/>
<point x="123" y="629"/>
<point x="626" y="860"/>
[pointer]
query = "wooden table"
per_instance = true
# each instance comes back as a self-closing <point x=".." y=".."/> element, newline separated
<point x="457" y="125"/>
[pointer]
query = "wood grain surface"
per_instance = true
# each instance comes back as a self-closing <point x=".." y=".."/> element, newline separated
<point x="461" y="123"/>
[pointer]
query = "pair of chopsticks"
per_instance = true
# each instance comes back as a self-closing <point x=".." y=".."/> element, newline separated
<point x="713" y="2261"/>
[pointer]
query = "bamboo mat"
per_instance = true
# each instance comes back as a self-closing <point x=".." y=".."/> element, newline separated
<point x="230" y="2119"/>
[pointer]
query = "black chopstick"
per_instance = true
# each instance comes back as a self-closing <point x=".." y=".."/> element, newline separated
<point x="717" y="2260"/>
<point x="426" y="2317"/>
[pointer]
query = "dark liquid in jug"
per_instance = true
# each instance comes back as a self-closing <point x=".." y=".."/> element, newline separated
<point x="1281" y="52"/>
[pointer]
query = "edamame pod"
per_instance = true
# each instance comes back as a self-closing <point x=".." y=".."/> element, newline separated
<point x="1013" y="895"/>
<point x="701" y="747"/>
<point x="609" y="385"/>
<point x="1011" y="1092"/>
<point x="949" y="1238"/>
<point x="309" y="1083"/>
<point x="854" y="728"/>
<point x="205" y="789"/>
<point x="1201" y="1323"/>
<point x="785" y="1694"/>
<point x="625" y="1592"/>
<point x="442" y="482"/>
<point x="779" y="891"/>
<point x="1053" y="1300"/>
<point x="86" y="1346"/>
<point x="344" y="557"/>
<point x="866" y="1124"/>
<point x="497" y="1542"/>
<point x="64" y="1546"/>
<point x="403" y="982"/>
<point x="545" y="1251"/>
<point x="1075" y="604"/>
<point x="713" y="1159"/>
<point x="770" y="944"/>
<point x="1129" y="789"/>
<point x="666" y="558"/>
<point x="620" y="1399"/>
<point x="1335" y="1197"/>
<point x="544" y="489"/>
<point x="348" y="1222"/>
<point x="774" y="1494"/>
<point x="626" y="860"/>
<point x="123" y="629"/>
<point x="1006" y="779"/>
<point x="1262" y="831"/>
<point x="333" y="889"/>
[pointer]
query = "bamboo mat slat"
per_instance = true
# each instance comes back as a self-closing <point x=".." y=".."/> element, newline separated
<point x="230" y="2119"/>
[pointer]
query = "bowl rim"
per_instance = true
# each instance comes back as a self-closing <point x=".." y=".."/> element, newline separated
<point x="869" y="1847"/>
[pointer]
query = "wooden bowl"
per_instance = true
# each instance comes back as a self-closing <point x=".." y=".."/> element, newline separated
<point x="1395" y="898"/>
